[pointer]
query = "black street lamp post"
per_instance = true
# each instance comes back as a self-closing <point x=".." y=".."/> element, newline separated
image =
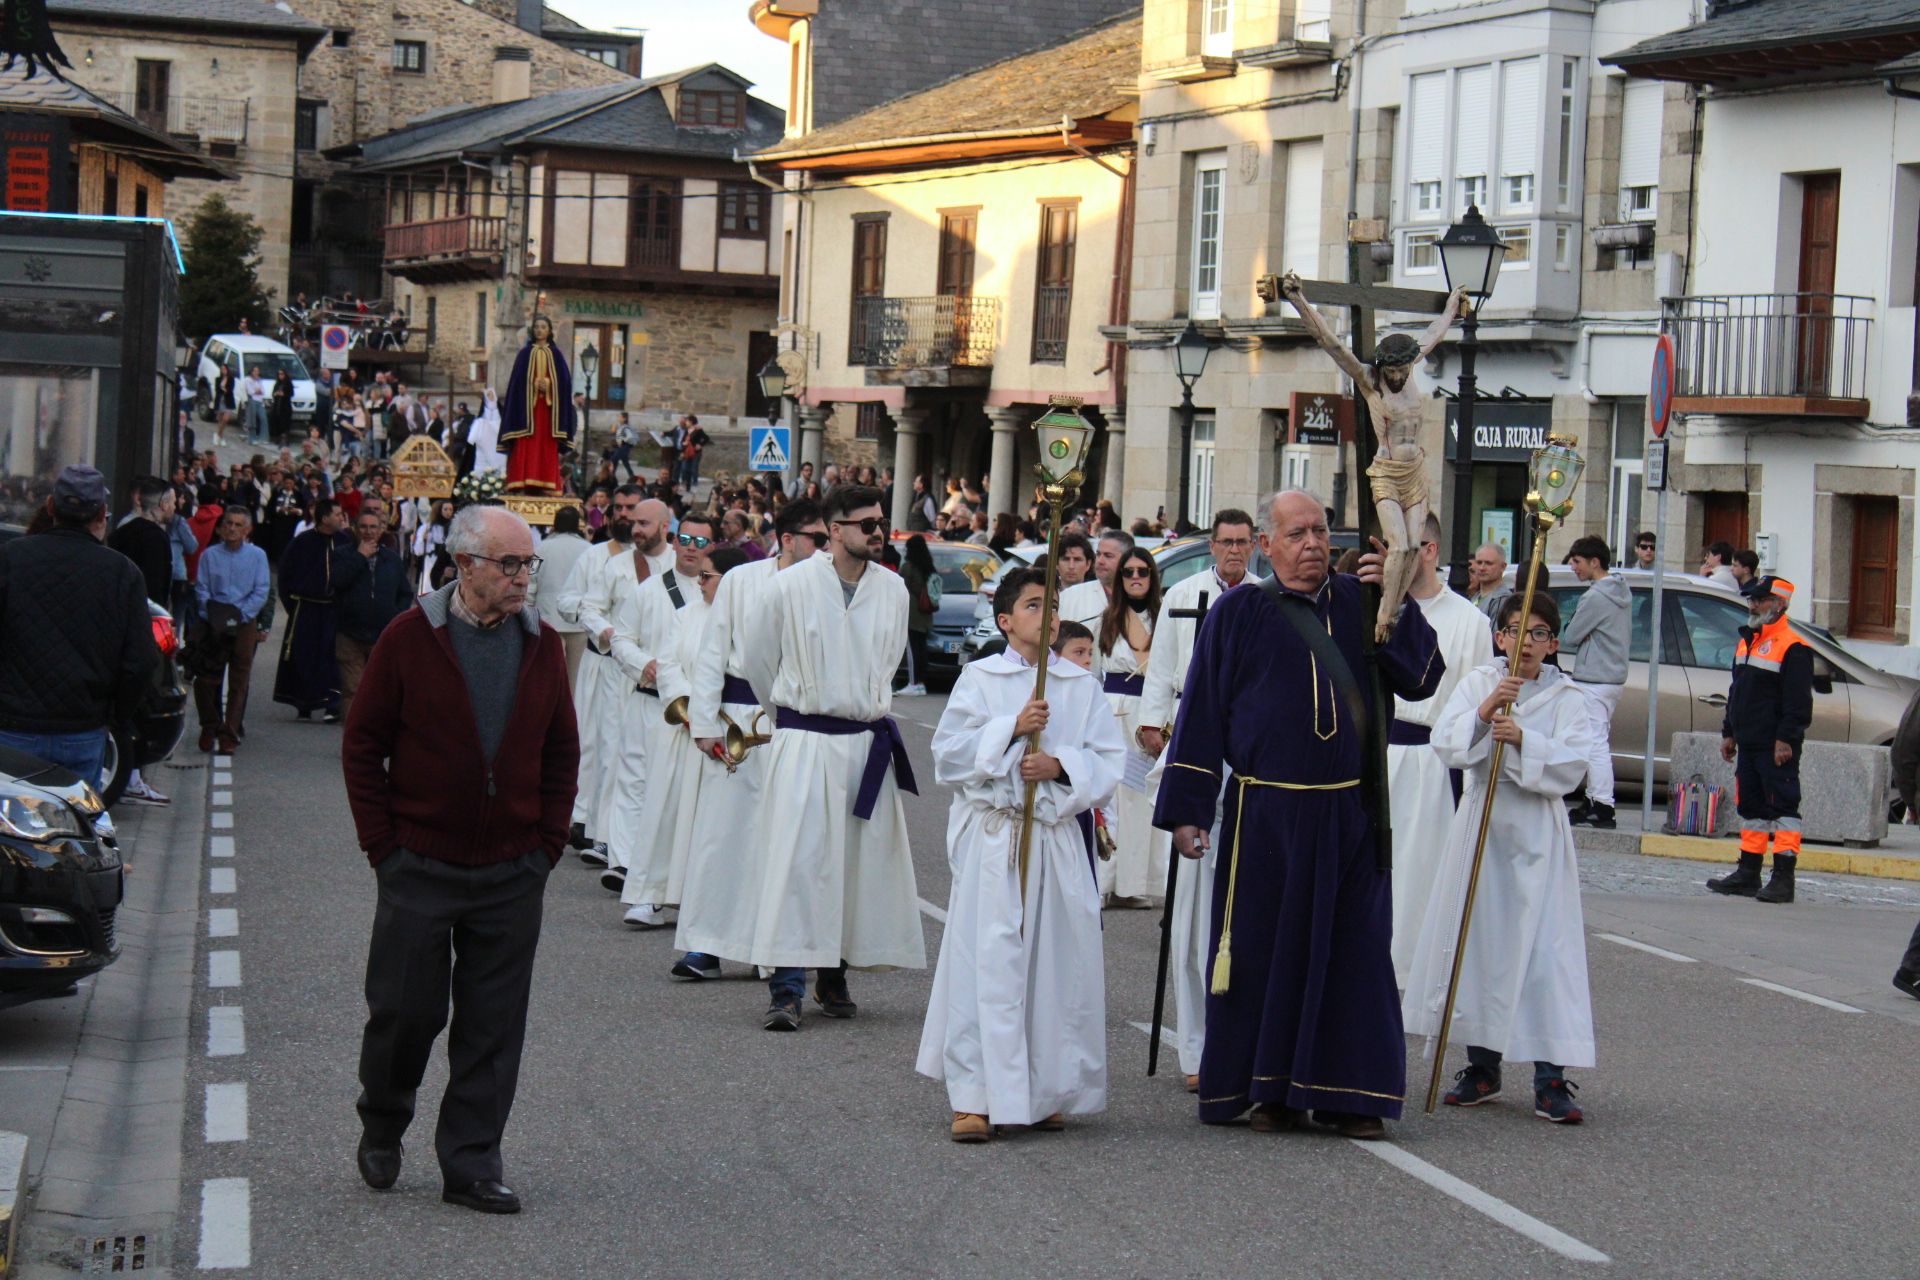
<point x="773" y="389"/>
<point x="1470" y="255"/>
<point x="1190" y="352"/>
<point x="589" y="366"/>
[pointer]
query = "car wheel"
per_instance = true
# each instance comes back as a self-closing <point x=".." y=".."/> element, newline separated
<point x="116" y="766"/>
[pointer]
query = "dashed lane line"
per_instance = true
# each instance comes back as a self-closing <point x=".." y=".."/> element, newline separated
<point x="1651" y="950"/>
<point x="223" y="799"/>
<point x="227" y="1112"/>
<point x="223" y="922"/>
<point x="226" y="1031"/>
<point x="222" y="820"/>
<point x="1808" y="996"/>
<point x="223" y="969"/>
<point x="220" y="847"/>
<point x="226" y="1224"/>
<point x="222" y="779"/>
<point x="220" y="881"/>
<point x="1166" y="1033"/>
<point x="932" y="912"/>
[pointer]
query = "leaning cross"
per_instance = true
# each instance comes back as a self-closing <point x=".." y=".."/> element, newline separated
<point x="1198" y="613"/>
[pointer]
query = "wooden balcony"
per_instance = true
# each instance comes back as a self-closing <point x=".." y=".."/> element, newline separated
<point x="1771" y="355"/>
<point x="439" y="250"/>
<point x="941" y="341"/>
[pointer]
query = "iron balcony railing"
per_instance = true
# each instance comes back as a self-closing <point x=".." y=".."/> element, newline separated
<point x="206" y="119"/>
<point x="462" y="236"/>
<point x="1770" y="345"/>
<point x="948" y="331"/>
<point x="1053" y="304"/>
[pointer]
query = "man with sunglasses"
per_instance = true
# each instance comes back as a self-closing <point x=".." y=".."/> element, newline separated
<point x="1173" y="636"/>
<point x="830" y="884"/>
<point x="586" y="601"/>
<point x="645" y="630"/>
<point x="1644" y="546"/>
<point x="715" y="917"/>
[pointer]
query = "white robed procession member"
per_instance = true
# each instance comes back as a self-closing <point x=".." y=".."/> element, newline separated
<point x="679" y="771"/>
<point x="1523" y="984"/>
<point x="728" y="813"/>
<point x="1016" y="1025"/>
<point x="646" y="638"/>
<point x="1136" y="874"/>
<point x="1174" y="631"/>
<point x="830" y="878"/>
<point x="1424" y="792"/>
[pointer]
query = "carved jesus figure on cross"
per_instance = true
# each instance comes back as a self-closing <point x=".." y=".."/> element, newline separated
<point x="1397" y="475"/>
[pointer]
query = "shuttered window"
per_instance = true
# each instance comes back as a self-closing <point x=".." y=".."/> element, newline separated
<point x="1640" y="146"/>
<point x="1472" y="134"/>
<point x="1216" y="28"/>
<point x="1310" y="20"/>
<point x="1519" y="133"/>
<point x="1300" y="237"/>
<point x="1426" y="145"/>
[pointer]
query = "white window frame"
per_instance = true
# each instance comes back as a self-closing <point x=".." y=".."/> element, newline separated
<point x="1209" y="176"/>
<point x="1296" y="467"/>
<point x="1206" y="426"/>
<point x="1564" y="241"/>
<point x="1508" y="202"/>
<point x="1639" y="204"/>
<point x="1416" y="241"/>
<point x="1312" y="21"/>
<point x="1216" y="28"/>
<point x="1516" y="235"/>
<point x="1569" y="100"/>
<point x="1470" y="191"/>
<point x="1429" y="199"/>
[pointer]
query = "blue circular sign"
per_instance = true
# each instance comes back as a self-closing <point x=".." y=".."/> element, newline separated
<point x="1660" y="391"/>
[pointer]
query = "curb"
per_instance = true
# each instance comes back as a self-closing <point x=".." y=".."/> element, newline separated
<point x="1879" y="866"/>
<point x="13" y="1189"/>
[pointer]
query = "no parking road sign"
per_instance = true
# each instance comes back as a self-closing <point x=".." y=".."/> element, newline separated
<point x="334" y="341"/>
<point x="769" y="447"/>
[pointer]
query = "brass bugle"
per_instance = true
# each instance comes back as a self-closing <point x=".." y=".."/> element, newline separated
<point x="740" y="741"/>
<point x="676" y="712"/>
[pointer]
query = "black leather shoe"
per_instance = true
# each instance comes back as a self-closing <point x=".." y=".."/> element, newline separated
<point x="486" y="1196"/>
<point x="379" y="1166"/>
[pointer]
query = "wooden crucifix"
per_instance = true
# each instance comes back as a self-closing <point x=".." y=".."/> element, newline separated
<point x="1383" y="392"/>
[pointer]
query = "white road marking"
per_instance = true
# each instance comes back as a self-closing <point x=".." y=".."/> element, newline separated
<point x="223" y="799"/>
<point x="226" y="1224"/>
<point x="1474" y="1198"/>
<point x="220" y="880"/>
<point x="928" y="909"/>
<point x="227" y="1112"/>
<point x="28" y="1068"/>
<point x="222" y="779"/>
<point x="1166" y="1033"/>
<point x="220" y="821"/>
<point x="220" y="847"/>
<point x="1808" y="996"/>
<point x="223" y="762"/>
<point x="223" y="922"/>
<point x="1662" y="952"/>
<point x="226" y="1031"/>
<point x="223" y="968"/>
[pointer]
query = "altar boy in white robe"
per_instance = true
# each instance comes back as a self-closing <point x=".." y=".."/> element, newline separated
<point x="830" y="878"/>
<point x="1017" y="1022"/>
<point x="1423" y="790"/>
<point x="1523" y="982"/>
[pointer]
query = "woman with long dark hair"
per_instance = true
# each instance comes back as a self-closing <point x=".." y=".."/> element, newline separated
<point x="917" y="570"/>
<point x="280" y="406"/>
<point x="1005" y="534"/>
<point x="1122" y="646"/>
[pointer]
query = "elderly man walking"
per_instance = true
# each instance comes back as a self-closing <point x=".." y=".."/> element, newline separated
<point x="460" y="763"/>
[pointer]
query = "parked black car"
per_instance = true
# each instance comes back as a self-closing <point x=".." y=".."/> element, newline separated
<point x="60" y="880"/>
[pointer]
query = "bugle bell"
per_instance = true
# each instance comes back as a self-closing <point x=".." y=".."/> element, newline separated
<point x="676" y="712"/>
<point x="740" y="741"/>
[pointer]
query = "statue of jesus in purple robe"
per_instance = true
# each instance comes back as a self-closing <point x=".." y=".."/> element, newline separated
<point x="1309" y="1019"/>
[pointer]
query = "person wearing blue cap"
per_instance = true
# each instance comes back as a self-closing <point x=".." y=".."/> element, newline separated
<point x="1769" y="706"/>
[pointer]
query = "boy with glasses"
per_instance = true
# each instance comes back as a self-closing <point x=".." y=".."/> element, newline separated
<point x="1523" y="979"/>
<point x="1644" y="546"/>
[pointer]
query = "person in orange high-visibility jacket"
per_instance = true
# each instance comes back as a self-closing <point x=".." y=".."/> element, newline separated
<point x="1768" y="710"/>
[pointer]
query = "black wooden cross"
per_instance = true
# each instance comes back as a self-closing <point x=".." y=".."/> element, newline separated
<point x="1198" y="613"/>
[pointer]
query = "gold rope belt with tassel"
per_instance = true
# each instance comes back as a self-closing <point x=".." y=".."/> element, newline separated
<point x="1223" y="958"/>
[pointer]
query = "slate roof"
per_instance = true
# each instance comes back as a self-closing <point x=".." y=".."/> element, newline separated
<point x="1086" y="75"/>
<point x="1741" y="25"/>
<point x="1907" y="66"/>
<point x="620" y="117"/>
<point x="100" y="121"/>
<point x="225" y="15"/>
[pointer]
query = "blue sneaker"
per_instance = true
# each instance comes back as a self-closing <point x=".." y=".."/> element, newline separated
<point x="1553" y="1100"/>
<point x="694" y="966"/>
<point x="1473" y="1085"/>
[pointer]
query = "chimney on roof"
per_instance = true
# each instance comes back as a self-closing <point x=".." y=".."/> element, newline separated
<point x="531" y="16"/>
<point x="512" y="73"/>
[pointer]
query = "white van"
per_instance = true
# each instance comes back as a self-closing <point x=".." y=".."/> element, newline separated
<point x="262" y="356"/>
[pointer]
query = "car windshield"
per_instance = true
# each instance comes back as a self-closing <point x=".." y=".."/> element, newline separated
<point x="268" y="365"/>
<point x="952" y="563"/>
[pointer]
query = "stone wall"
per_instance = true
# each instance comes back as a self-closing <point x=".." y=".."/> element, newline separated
<point x="257" y="70"/>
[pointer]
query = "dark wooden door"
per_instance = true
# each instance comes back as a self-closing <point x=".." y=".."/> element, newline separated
<point x="869" y="290"/>
<point x="150" y="93"/>
<point x="1876" y="570"/>
<point x="1724" y="519"/>
<point x="956" y="254"/>
<point x="1819" y="240"/>
<point x="653" y="223"/>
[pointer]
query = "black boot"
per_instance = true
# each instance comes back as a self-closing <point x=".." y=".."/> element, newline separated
<point x="1780" y="883"/>
<point x="1579" y="813"/>
<point x="1600" y="817"/>
<point x="1743" y="880"/>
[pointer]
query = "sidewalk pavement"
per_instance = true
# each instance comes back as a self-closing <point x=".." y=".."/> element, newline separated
<point x="1896" y="858"/>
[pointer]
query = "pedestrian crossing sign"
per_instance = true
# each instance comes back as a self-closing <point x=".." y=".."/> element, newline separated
<point x="769" y="447"/>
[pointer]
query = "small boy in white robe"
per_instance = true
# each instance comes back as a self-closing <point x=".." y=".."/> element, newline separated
<point x="1016" y="1025"/>
<point x="1523" y="984"/>
<point x="1074" y="642"/>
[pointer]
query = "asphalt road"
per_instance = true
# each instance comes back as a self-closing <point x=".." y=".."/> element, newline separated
<point x="1735" y="1130"/>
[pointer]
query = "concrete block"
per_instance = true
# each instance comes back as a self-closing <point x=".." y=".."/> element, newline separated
<point x="1844" y="788"/>
<point x="13" y="1194"/>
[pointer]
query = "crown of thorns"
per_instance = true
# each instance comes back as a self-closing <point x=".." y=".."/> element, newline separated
<point x="1395" y="349"/>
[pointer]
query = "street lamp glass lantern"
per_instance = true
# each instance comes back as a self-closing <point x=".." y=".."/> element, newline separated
<point x="590" y="361"/>
<point x="1552" y="475"/>
<point x="1470" y="254"/>
<point x="1190" y="352"/>
<point x="1063" y="436"/>
<point x="773" y="380"/>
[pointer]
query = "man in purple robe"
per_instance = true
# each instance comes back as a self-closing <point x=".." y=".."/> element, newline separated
<point x="1302" y="1013"/>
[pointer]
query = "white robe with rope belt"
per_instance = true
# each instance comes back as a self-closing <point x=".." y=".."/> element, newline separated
<point x="1138" y="868"/>
<point x="587" y="601"/>
<point x="660" y="835"/>
<point x="819" y="884"/>
<point x="1016" y="1024"/>
<point x="1523" y="985"/>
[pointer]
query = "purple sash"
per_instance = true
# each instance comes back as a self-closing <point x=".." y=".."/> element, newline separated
<point x="1085" y="819"/>
<point x="1133" y="685"/>
<point x="737" y="691"/>
<point x="1403" y="734"/>
<point x="887" y="744"/>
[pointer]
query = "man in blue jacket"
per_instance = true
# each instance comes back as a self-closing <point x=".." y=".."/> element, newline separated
<point x="233" y="587"/>
<point x="370" y="590"/>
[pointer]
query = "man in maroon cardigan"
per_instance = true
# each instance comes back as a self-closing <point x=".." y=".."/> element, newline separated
<point x="460" y="757"/>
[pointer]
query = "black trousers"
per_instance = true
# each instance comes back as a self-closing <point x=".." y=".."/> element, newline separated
<point x="1763" y="790"/>
<point x="1910" y="963"/>
<point x="443" y="931"/>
